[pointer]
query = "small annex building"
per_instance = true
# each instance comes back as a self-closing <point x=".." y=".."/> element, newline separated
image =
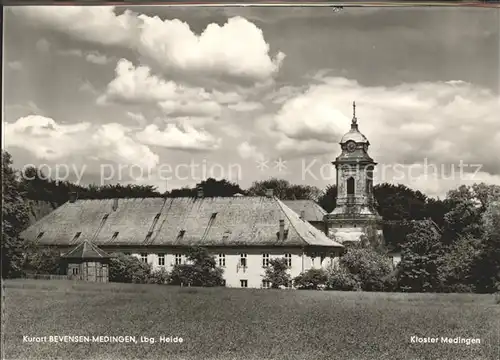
<point x="86" y="262"/>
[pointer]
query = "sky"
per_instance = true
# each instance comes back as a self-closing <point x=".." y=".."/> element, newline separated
<point x="169" y="96"/>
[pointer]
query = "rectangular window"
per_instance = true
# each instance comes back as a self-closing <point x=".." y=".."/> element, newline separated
<point x="244" y="283"/>
<point x="75" y="271"/>
<point x="243" y="260"/>
<point x="288" y="258"/>
<point x="144" y="257"/>
<point x="161" y="259"/>
<point x="266" y="284"/>
<point x="222" y="260"/>
<point x="265" y="260"/>
<point x="178" y="259"/>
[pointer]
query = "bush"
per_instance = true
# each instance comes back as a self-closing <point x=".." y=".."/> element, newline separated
<point x="312" y="279"/>
<point x="369" y="267"/>
<point x="160" y="276"/>
<point x="128" y="269"/>
<point x="201" y="272"/>
<point x="276" y="273"/>
<point x="342" y="280"/>
<point x="43" y="261"/>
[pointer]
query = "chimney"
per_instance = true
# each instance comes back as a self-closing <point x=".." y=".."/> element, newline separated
<point x="269" y="193"/>
<point x="115" y="204"/>
<point x="73" y="196"/>
<point x="282" y="230"/>
<point x="303" y="214"/>
<point x="199" y="192"/>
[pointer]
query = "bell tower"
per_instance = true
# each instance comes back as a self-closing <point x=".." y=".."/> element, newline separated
<point x="355" y="218"/>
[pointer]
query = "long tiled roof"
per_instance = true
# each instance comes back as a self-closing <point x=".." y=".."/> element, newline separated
<point x="312" y="211"/>
<point x="218" y="221"/>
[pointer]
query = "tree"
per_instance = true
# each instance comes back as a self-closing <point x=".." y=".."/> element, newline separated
<point x="276" y="273"/>
<point x="421" y="257"/>
<point x="128" y="269"/>
<point x="486" y="270"/>
<point x="328" y="199"/>
<point x="370" y="268"/>
<point x="283" y="190"/>
<point x="398" y="202"/>
<point x="457" y="265"/>
<point x="14" y="220"/>
<point x="211" y="188"/>
<point x="201" y="270"/>
<point x="312" y="279"/>
<point x="468" y="204"/>
<point x="43" y="261"/>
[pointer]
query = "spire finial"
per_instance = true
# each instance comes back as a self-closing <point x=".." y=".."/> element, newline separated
<point x="354" y="119"/>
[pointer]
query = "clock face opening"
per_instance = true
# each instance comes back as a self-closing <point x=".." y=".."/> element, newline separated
<point x="351" y="146"/>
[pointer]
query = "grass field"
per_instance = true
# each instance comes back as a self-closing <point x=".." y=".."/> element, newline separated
<point x="243" y="323"/>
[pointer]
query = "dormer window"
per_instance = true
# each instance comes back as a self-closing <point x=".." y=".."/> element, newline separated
<point x="77" y="235"/>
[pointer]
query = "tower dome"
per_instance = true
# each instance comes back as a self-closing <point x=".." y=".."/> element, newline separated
<point x="354" y="134"/>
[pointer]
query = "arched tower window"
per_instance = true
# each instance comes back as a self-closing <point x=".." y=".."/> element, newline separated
<point x="350" y="186"/>
<point x="369" y="179"/>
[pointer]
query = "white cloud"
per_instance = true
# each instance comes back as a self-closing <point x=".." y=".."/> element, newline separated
<point x="219" y="50"/>
<point x="236" y="49"/>
<point x="136" y="85"/>
<point x="193" y="107"/>
<point x="15" y="65"/>
<point x="232" y="130"/>
<point x="139" y="117"/>
<point x="248" y="151"/>
<point x="246" y="106"/>
<point x="443" y="122"/>
<point x="97" y="58"/>
<point x="115" y="144"/>
<point x="182" y="137"/>
<point x="93" y="57"/>
<point x="49" y="140"/>
<point x="91" y="23"/>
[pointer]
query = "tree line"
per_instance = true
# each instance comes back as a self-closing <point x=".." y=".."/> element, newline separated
<point x="463" y="256"/>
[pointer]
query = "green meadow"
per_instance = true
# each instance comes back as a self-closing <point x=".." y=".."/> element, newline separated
<point x="217" y="323"/>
